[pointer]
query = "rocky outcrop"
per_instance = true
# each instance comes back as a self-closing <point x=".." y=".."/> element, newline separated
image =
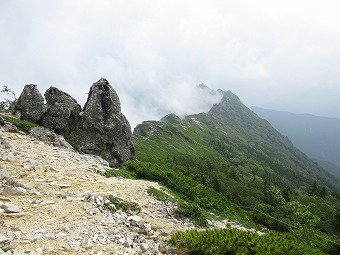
<point x="62" y="111"/>
<point x="102" y="129"/>
<point x="30" y="105"/>
<point x="47" y="135"/>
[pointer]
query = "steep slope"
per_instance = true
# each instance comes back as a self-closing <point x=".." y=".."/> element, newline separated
<point x="52" y="201"/>
<point x="318" y="137"/>
<point x="228" y="142"/>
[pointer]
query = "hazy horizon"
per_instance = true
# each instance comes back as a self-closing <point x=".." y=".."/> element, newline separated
<point x="276" y="55"/>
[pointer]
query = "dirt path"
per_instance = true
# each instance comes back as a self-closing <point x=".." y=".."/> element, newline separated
<point x="55" y="218"/>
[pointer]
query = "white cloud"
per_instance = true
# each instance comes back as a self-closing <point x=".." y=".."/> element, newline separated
<point x="155" y="52"/>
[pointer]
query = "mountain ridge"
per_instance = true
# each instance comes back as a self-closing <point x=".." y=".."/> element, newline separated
<point x="230" y="114"/>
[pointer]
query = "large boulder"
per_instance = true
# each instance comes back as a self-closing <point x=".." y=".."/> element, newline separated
<point x="62" y="111"/>
<point x="30" y="104"/>
<point x="102" y="129"/>
<point x="48" y="136"/>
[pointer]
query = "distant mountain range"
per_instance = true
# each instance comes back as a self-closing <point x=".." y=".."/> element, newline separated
<point x="230" y="142"/>
<point x="318" y="137"/>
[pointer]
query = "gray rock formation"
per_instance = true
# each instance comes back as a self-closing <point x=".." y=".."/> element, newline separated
<point x="30" y="104"/>
<point x="3" y="144"/>
<point x="47" y="135"/>
<point x="102" y="129"/>
<point x="62" y="111"/>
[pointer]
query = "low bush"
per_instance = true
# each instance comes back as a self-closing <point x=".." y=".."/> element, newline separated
<point x="117" y="203"/>
<point x="233" y="241"/>
<point x="22" y="125"/>
<point x="119" y="173"/>
<point x="160" y="195"/>
<point x="199" y="198"/>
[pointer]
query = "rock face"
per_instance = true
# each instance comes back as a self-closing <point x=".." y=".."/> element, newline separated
<point x="62" y="111"/>
<point x="48" y="136"/>
<point x="30" y="104"/>
<point x="102" y="129"/>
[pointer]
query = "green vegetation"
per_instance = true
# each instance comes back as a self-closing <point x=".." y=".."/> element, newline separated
<point x="233" y="241"/>
<point x="22" y="125"/>
<point x="199" y="198"/>
<point x="117" y="203"/>
<point x="231" y="157"/>
<point x="160" y="195"/>
<point x="119" y="173"/>
<point x="6" y="103"/>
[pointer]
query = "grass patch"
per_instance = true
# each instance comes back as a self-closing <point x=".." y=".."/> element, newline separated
<point x="160" y="195"/>
<point x="117" y="203"/>
<point x="120" y="173"/>
<point x="22" y="125"/>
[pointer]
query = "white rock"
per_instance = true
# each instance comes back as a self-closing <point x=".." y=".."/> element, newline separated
<point x="95" y="237"/>
<point x="39" y="251"/>
<point x="74" y="244"/>
<point x="22" y="190"/>
<point x="14" y="191"/>
<point x="4" y="239"/>
<point x="9" y="157"/>
<point x="9" y="208"/>
<point x="107" y="220"/>
<point x="128" y="242"/>
<point x="18" y="252"/>
<point x="17" y="234"/>
<point x="60" y="235"/>
<point x="119" y="217"/>
<point x="74" y="234"/>
<point x="50" y="236"/>
<point x="144" y="247"/>
<point x="134" y="218"/>
<point x="49" y="202"/>
<point x="63" y="186"/>
<point x="95" y="211"/>
<point x="146" y="228"/>
<point x="121" y="240"/>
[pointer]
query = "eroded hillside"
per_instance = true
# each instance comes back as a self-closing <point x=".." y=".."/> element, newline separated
<point x="53" y="202"/>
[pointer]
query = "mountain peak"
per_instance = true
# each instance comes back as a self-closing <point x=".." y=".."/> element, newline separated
<point x="228" y="104"/>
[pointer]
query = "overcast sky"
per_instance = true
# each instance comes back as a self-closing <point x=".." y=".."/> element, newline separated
<point x="283" y="55"/>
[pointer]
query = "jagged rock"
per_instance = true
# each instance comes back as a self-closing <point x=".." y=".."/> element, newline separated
<point x="144" y="247"/>
<point x="134" y="218"/>
<point x="102" y="129"/>
<point x="9" y="208"/>
<point x="5" y="243"/>
<point x="49" y="136"/>
<point x="9" y="157"/>
<point x="4" y="144"/>
<point x="10" y="128"/>
<point x="14" y="191"/>
<point x="7" y="127"/>
<point x="62" y="111"/>
<point x="146" y="228"/>
<point x="4" y="239"/>
<point x="30" y="104"/>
